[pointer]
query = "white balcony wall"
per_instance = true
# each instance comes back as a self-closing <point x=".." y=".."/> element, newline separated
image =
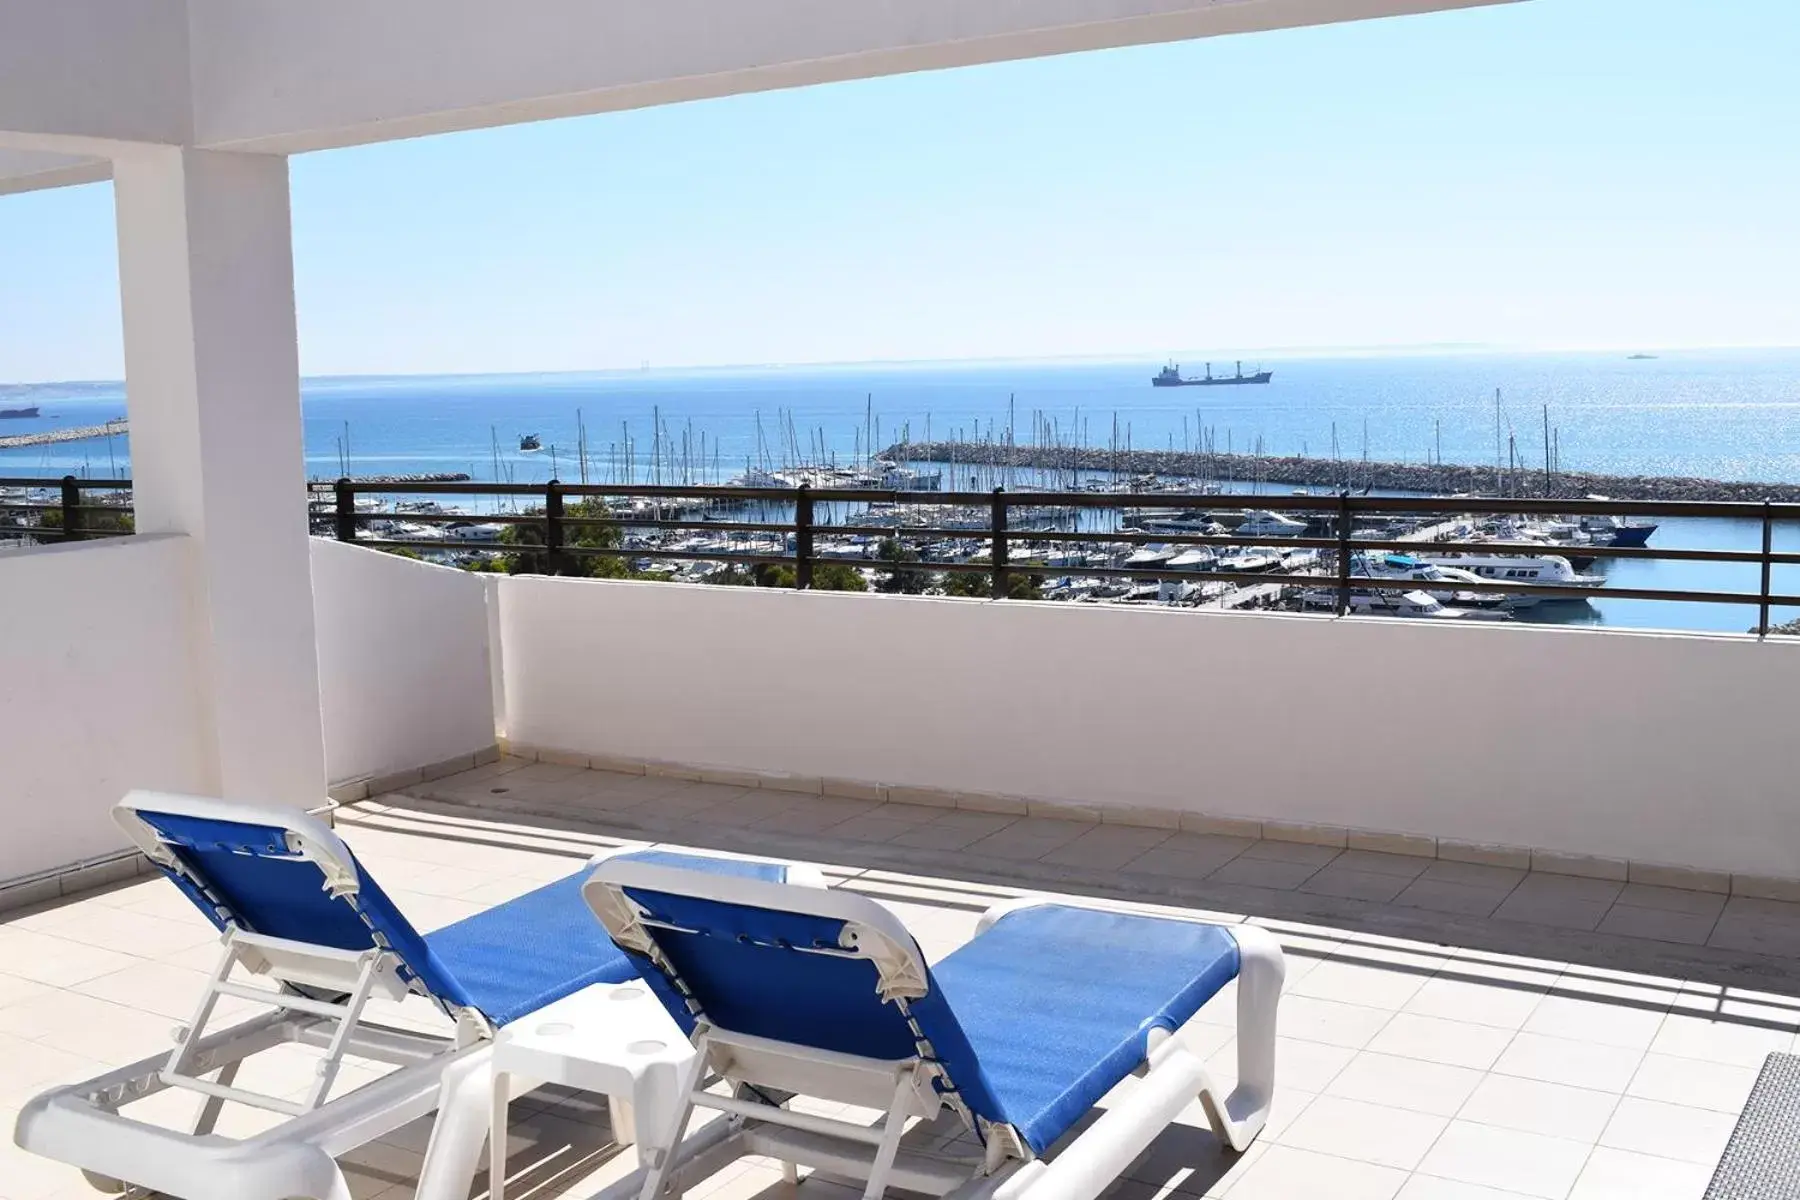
<point x="99" y="693"/>
<point x="403" y="661"/>
<point x="1657" y="748"/>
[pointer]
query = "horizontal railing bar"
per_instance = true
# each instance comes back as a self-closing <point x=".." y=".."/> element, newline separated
<point x="440" y="544"/>
<point x="1016" y="567"/>
<point x="54" y="533"/>
<point x="680" y="555"/>
<point x="1121" y="537"/>
<point x="1543" y="550"/>
<point x="57" y="481"/>
<point x="1125" y="537"/>
<point x="695" y="526"/>
<point x="1330" y="502"/>
<point x="441" y="518"/>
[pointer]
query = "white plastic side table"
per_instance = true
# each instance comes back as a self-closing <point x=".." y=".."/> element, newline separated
<point x="615" y="1040"/>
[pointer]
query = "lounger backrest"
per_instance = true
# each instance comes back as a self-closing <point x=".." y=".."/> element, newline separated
<point x="280" y="873"/>
<point x="825" y="970"/>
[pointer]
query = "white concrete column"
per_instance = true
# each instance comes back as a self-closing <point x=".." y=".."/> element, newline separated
<point x="212" y="383"/>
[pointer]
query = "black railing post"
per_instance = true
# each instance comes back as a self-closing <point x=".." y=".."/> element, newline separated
<point x="1768" y="547"/>
<point x="555" y="561"/>
<point x="346" y="510"/>
<point x="803" y="537"/>
<point x="1343" y="553"/>
<point x="71" y="509"/>
<point x="999" y="555"/>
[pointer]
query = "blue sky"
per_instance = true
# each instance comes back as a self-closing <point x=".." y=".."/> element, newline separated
<point x="1560" y="173"/>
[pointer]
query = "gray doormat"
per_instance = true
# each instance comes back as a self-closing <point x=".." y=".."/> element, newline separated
<point x="1762" y="1160"/>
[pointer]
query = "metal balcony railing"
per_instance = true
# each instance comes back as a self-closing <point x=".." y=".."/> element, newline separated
<point x="1332" y="531"/>
<point x="790" y="541"/>
<point x="59" y="510"/>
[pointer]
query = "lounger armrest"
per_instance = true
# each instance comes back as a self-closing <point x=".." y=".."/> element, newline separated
<point x="1017" y="903"/>
<point x="798" y="874"/>
<point x="316" y="839"/>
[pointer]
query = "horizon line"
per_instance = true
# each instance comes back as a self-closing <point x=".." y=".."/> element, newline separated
<point x="1293" y="353"/>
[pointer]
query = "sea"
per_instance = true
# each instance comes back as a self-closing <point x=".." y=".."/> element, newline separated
<point x="1718" y="414"/>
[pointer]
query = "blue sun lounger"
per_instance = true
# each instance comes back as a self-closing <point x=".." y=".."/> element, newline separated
<point x="293" y="905"/>
<point x="791" y="991"/>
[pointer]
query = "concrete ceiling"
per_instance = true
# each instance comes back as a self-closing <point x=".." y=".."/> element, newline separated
<point x="83" y="80"/>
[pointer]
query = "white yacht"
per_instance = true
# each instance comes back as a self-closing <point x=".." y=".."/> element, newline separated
<point x="1443" y="584"/>
<point x="1262" y="523"/>
<point x="1550" y="570"/>
<point x="1255" y="559"/>
<point x="1153" y="555"/>
<point x="1365" y="602"/>
<point x="1194" y="558"/>
<point x="1176" y="520"/>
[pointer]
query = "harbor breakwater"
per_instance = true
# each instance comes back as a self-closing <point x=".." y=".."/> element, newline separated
<point x="50" y="437"/>
<point x="423" y="477"/>
<point x="1441" y="479"/>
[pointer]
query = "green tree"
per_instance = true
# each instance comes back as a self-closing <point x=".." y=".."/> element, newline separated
<point x="827" y="577"/>
<point x="897" y="579"/>
<point x="1020" y="585"/>
<point x="121" y="521"/>
<point x="526" y="561"/>
<point x="837" y="577"/>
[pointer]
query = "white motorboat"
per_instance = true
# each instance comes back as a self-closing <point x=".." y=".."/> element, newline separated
<point x="1549" y="570"/>
<point x="1194" y="558"/>
<point x="1174" y="521"/>
<point x="1145" y="558"/>
<point x="1262" y="523"/>
<point x="1252" y="559"/>
<point x="1443" y="584"/>
<point x="1381" y="602"/>
<point x="473" y="531"/>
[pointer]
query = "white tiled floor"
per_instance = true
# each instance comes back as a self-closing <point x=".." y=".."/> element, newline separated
<point x="1420" y="1068"/>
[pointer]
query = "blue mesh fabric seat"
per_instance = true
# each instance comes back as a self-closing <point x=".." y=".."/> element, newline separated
<point x="1033" y="1021"/>
<point x="505" y="962"/>
<point x="535" y="949"/>
<point x="1057" y="1004"/>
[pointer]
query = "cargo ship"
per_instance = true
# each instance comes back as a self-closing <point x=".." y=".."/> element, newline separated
<point x="1170" y="376"/>
<point x="8" y="414"/>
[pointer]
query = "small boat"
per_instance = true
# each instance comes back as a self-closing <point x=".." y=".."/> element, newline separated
<point x="1379" y="602"/>
<point x="473" y="531"/>
<point x="1151" y="521"/>
<point x="1607" y="532"/>
<point x="1262" y="523"/>
<point x="1442" y="583"/>
<point x="1153" y="555"/>
<point x="1194" y="558"/>
<point x="1253" y="560"/>
<point x="529" y="442"/>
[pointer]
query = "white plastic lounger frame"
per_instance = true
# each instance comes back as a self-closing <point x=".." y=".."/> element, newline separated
<point x="761" y="1070"/>
<point x="81" y="1124"/>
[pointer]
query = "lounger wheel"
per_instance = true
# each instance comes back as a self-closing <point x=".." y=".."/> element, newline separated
<point x="103" y="1183"/>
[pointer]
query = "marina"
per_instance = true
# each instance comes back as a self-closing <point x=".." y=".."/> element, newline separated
<point x="1076" y="434"/>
